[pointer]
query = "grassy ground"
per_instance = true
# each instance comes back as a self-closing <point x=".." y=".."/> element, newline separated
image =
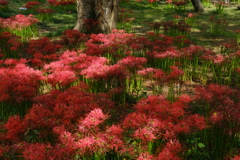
<point x="144" y="14"/>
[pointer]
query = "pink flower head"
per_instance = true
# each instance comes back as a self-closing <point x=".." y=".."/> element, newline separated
<point x="185" y="98"/>
<point x="61" y="77"/>
<point x="115" y="130"/>
<point x="94" y="118"/>
<point x="236" y="158"/>
<point x="145" y="156"/>
<point x="191" y="15"/>
<point x="133" y="62"/>
<point x="36" y="151"/>
<point x="4" y="2"/>
<point x="146" y="134"/>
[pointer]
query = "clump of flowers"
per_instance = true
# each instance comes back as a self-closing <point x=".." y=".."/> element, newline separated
<point x="45" y="14"/>
<point x="4" y="5"/>
<point x="20" y="25"/>
<point x="32" y="5"/>
<point x="11" y="45"/>
<point x="157" y="118"/>
<point x="19" y="82"/>
<point x="73" y="39"/>
<point x="180" y="5"/>
<point x="111" y="45"/>
<point x="220" y="104"/>
<point x="176" y="28"/>
<point x="62" y="5"/>
<point x="43" y="45"/>
<point x="190" y="19"/>
<point x="61" y="2"/>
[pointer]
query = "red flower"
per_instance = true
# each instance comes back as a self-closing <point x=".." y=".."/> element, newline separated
<point x="94" y="118"/>
<point x="145" y="134"/>
<point x="37" y="151"/>
<point x="15" y="128"/>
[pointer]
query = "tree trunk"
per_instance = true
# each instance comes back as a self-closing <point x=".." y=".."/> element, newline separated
<point x="102" y="11"/>
<point x="197" y="5"/>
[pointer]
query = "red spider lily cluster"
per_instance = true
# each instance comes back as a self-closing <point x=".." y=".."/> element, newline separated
<point x="4" y="3"/>
<point x="45" y="10"/>
<point x="116" y="95"/>
<point x="72" y="38"/>
<point x="151" y="1"/>
<point x="61" y="2"/>
<point x="18" y="22"/>
<point x="76" y="95"/>
<point x="178" y="26"/>
<point x="180" y="3"/>
<point x="32" y="4"/>
<point x="10" y="45"/>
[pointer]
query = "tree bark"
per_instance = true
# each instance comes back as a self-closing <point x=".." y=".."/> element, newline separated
<point x="103" y="11"/>
<point x="197" y="5"/>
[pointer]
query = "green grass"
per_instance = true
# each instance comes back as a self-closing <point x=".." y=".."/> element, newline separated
<point x="144" y="14"/>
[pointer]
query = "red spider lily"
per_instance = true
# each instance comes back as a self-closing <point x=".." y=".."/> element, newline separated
<point x="236" y="158"/>
<point x="145" y="156"/>
<point x="39" y="59"/>
<point x="193" y="51"/>
<point x="110" y="43"/>
<point x="36" y="151"/>
<point x="18" y="21"/>
<point x="82" y="64"/>
<point x="151" y="1"/>
<point x="11" y="44"/>
<point x="169" y="1"/>
<point x="45" y="10"/>
<point x="145" y="134"/>
<point x="191" y="15"/>
<point x="175" y="73"/>
<point x="19" y="83"/>
<point x="43" y="45"/>
<point x="160" y="76"/>
<point x="224" y="105"/>
<point x="99" y="70"/>
<point x="216" y="117"/>
<point x="146" y="72"/>
<point x="135" y="120"/>
<point x="170" y="151"/>
<point x="15" y="127"/>
<point x="94" y="118"/>
<point x="180" y="3"/>
<point x="185" y="99"/>
<point x="115" y="130"/>
<point x="32" y="4"/>
<point x="156" y="115"/>
<point x="72" y="38"/>
<point x="40" y="116"/>
<point x="62" y="78"/>
<point x="132" y="62"/>
<point x="11" y="39"/>
<point x="171" y="53"/>
<point x="61" y="2"/>
<point x="4" y="3"/>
